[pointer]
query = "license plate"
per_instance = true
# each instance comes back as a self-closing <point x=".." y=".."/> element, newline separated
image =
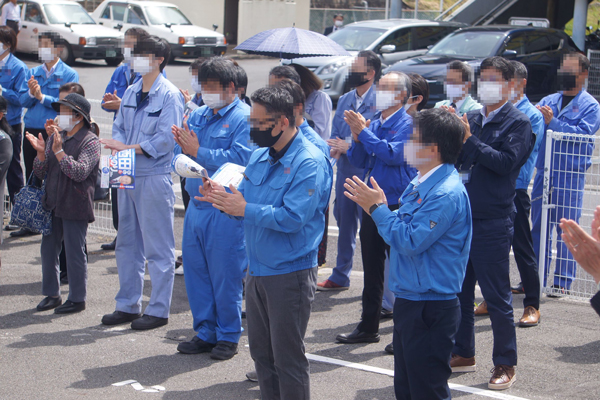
<point x="206" y="51"/>
<point x="111" y="53"/>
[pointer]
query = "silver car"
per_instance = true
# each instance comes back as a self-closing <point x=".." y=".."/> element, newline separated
<point x="392" y="39"/>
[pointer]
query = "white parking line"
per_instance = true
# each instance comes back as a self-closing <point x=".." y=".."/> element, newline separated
<point x="389" y="372"/>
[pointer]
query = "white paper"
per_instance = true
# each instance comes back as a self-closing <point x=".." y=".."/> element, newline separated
<point x="188" y="168"/>
<point x="229" y="174"/>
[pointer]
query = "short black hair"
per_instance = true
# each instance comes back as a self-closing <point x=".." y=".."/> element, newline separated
<point x="584" y="62"/>
<point x="442" y="128"/>
<point x="72" y="87"/>
<point x="8" y="37"/>
<point x="373" y="62"/>
<point x="241" y="78"/>
<point x="54" y="37"/>
<point x="419" y="87"/>
<point x="277" y="100"/>
<point x="465" y="69"/>
<point x="197" y="64"/>
<point x="520" y="70"/>
<point x="499" y="63"/>
<point x="294" y="89"/>
<point x="285" y="71"/>
<point x="136" y="32"/>
<point x="154" y="45"/>
<point x="217" y="69"/>
<point x="338" y="15"/>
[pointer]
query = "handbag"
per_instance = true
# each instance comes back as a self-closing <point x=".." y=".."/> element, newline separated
<point x="28" y="212"/>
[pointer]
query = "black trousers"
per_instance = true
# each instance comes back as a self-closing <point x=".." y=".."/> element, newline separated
<point x="374" y="251"/>
<point x="14" y="176"/>
<point x="14" y="25"/>
<point x="424" y="334"/>
<point x="29" y="153"/>
<point x="115" y="207"/>
<point x="523" y="249"/>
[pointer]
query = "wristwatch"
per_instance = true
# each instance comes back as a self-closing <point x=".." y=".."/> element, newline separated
<point x="375" y="207"/>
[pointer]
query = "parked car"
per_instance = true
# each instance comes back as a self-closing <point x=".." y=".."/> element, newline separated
<point x="540" y="49"/>
<point x="85" y="39"/>
<point x="391" y="39"/>
<point x="164" y="20"/>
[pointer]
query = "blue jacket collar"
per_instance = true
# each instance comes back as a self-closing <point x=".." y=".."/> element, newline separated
<point x="58" y="70"/>
<point x="391" y="121"/>
<point x="497" y="118"/>
<point x="290" y="154"/>
<point x="424" y="188"/>
<point x="569" y="106"/>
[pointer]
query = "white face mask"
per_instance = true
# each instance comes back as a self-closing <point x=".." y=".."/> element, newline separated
<point x="127" y="55"/>
<point x="384" y="100"/>
<point x="490" y="92"/>
<point x="410" y="154"/>
<point x="46" y="54"/>
<point x="408" y="105"/>
<point x="339" y="23"/>
<point x="65" y="122"/>
<point x="213" y="100"/>
<point x="196" y="85"/>
<point x="513" y="96"/>
<point x="454" y="92"/>
<point x="141" y="65"/>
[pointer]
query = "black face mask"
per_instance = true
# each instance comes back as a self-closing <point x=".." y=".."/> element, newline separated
<point x="263" y="138"/>
<point x="357" y="79"/>
<point x="566" y="81"/>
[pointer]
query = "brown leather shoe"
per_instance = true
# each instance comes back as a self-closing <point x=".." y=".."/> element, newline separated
<point x="481" y="309"/>
<point x="502" y="378"/>
<point x="462" y="364"/>
<point x="531" y="317"/>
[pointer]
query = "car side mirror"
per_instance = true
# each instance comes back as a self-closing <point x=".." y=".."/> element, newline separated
<point x="119" y="27"/>
<point x="509" y="54"/>
<point x="429" y="47"/>
<point x="215" y="27"/>
<point x="388" y="48"/>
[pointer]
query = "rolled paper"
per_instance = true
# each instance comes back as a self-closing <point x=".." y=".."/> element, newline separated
<point x="188" y="168"/>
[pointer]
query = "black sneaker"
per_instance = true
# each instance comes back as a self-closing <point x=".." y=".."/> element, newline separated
<point x="224" y="350"/>
<point x="195" y="346"/>
<point x="148" y="322"/>
<point x="389" y="348"/>
<point x="119" y="317"/>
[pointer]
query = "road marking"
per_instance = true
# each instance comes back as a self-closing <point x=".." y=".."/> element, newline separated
<point x="128" y="382"/>
<point x="389" y="372"/>
<point x="138" y="386"/>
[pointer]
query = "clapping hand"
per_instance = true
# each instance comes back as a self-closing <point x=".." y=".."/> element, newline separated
<point x="111" y="101"/>
<point x="547" y="113"/>
<point x="186" y="139"/>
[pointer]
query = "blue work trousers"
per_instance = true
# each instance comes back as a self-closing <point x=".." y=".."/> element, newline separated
<point x="214" y="255"/>
<point x="489" y="265"/>
<point x="146" y="234"/>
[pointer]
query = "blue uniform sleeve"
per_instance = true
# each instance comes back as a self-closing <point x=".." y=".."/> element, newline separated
<point x="110" y="88"/>
<point x="414" y="237"/>
<point x="538" y="127"/>
<point x="239" y="152"/>
<point x="510" y="154"/>
<point x="358" y="156"/>
<point x="118" y="131"/>
<point x="26" y="100"/>
<point x="338" y="118"/>
<point x="163" y="142"/>
<point x="299" y="202"/>
<point x="70" y="76"/>
<point x="585" y="124"/>
<point x="17" y="89"/>
<point x="392" y="152"/>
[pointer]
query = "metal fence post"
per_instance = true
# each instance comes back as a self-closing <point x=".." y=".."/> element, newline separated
<point x="545" y="209"/>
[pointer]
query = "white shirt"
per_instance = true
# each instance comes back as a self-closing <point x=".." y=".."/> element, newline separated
<point x="385" y="119"/>
<point x="423" y="178"/>
<point x="12" y="12"/>
<point x="361" y="99"/>
<point x="459" y="103"/>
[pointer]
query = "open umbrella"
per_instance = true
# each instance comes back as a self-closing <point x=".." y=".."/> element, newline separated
<point x="291" y="43"/>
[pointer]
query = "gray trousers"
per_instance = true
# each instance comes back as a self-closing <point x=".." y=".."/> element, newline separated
<point x="73" y="233"/>
<point x="278" y="308"/>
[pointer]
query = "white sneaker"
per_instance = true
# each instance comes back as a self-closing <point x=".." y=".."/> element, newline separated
<point x="179" y="270"/>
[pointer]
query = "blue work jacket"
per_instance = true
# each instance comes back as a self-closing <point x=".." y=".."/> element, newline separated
<point x="537" y="125"/>
<point x="149" y="124"/>
<point x="223" y="137"/>
<point x="38" y="112"/>
<point x="429" y="237"/>
<point x="13" y="79"/>
<point x="314" y="138"/>
<point x="285" y="211"/>
<point x="581" y="116"/>
<point x="380" y="149"/>
<point x="491" y="159"/>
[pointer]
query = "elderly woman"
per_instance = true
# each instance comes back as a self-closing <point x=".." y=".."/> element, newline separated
<point x="69" y="164"/>
<point x="6" y="152"/>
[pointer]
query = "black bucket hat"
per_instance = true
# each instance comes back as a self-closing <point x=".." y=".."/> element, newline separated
<point x="77" y="102"/>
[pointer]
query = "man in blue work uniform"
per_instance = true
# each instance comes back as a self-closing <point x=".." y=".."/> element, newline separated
<point x="364" y="72"/>
<point x="13" y="75"/>
<point x="430" y="239"/>
<point x="498" y="141"/>
<point x="43" y="83"/>
<point x="572" y="110"/>
<point x="378" y="146"/>
<point x="457" y="86"/>
<point x="149" y="109"/>
<point x="282" y="201"/>
<point x="214" y="253"/>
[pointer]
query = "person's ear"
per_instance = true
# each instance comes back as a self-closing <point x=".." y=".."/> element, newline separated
<point x="418" y="100"/>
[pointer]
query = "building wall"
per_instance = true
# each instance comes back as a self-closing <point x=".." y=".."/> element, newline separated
<point x="259" y="15"/>
<point x="203" y="13"/>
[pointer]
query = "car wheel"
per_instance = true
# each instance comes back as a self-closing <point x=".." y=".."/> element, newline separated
<point x="67" y="55"/>
<point x="113" y="61"/>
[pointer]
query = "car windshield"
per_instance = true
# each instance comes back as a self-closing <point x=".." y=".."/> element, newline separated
<point x="356" y="39"/>
<point x="160" y="15"/>
<point x="67" y="14"/>
<point x="467" y="44"/>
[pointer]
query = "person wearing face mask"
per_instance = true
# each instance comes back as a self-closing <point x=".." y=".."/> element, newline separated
<point x="378" y="146"/>
<point x="457" y="87"/>
<point x="430" y="238"/>
<point x="282" y="202"/>
<point x="13" y="82"/>
<point x="43" y="83"/>
<point x="214" y="253"/>
<point x="150" y="107"/>
<point x="338" y="23"/>
<point x="241" y="84"/>
<point x="498" y="141"/>
<point x="571" y="110"/>
<point x="69" y="164"/>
